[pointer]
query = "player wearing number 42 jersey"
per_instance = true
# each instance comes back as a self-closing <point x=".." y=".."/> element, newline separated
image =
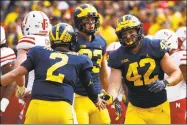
<point x="57" y="70"/>
<point x="142" y="63"/>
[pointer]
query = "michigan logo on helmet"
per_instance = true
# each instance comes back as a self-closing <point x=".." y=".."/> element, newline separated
<point x="167" y="36"/>
<point x="128" y="22"/>
<point x="85" y="11"/>
<point x="63" y="34"/>
<point x="36" y="23"/>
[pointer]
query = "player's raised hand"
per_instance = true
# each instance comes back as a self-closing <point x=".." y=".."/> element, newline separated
<point x="101" y="103"/>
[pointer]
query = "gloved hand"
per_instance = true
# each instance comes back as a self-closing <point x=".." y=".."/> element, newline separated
<point x="107" y="97"/>
<point x="157" y="86"/>
<point x="118" y="107"/>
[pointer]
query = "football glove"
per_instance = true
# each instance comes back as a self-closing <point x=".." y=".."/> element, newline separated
<point x="106" y="96"/>
<point x="118" y="108"/>
<point x="158" y="86"/>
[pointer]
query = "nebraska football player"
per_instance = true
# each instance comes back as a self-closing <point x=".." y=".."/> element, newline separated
<point x="35" y="28"/>
<point x="176" y="94"/>
<point x="10" y="106"/>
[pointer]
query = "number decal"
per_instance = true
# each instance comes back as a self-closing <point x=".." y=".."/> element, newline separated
<point x="132" y="70"/>
<point x="151" y="68"/>
<point x="56" y="78"/>
<point x="133" y="75"/>
<point x="91" y="54"/>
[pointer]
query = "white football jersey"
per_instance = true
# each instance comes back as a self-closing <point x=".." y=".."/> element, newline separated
<point x="178" y="91"/>
<point x="7" y="55"/>
<point x="28" y="42"/>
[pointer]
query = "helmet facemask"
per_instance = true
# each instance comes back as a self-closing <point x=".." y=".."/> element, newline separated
<point x="84" y="20"/>
<point x="133" y="40"/>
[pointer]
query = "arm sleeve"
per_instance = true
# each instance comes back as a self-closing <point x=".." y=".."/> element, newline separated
<point x="86" y="80"/>
<point x="87" y="63"/>
<point x="113" y="60"/>
<point x="29" y="62"/>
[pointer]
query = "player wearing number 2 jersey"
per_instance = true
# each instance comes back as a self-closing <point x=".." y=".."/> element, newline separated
<point x="57" y="70"/>
<point x="142" y="63"/>
<point x="86" y="20"/>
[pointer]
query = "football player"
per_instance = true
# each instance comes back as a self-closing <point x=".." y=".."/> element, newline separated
<point x="142" y="63"/>
<point x="10" y="106"/>
<point x="86" y="21"/>
<point x="57" y="70"/>
<point x="35" y="28"/>
<point x="175" y="94"/>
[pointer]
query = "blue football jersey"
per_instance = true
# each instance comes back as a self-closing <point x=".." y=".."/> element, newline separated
<point x="141" y="69"/>
<point x="95" y="51"/>
<point x="56" y="72"/>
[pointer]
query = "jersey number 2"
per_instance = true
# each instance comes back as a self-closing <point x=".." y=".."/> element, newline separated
<point x="133" y="75"/>
<point x="60" y="77"/>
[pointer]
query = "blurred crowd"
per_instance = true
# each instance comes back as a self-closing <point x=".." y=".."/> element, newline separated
<point x="154" y="15"/>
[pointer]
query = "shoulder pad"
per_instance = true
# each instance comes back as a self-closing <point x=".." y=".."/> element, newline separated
<point x="7" y="55"/>
<point x="26" y="42"/>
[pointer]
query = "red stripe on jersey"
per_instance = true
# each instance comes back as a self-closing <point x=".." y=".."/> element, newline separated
<point x="26" y="41"/>
<point x="8" y="56"/>
<point x="183" y="59"/>
<point x="8" y="59"/>
<point x="28" y="37"/>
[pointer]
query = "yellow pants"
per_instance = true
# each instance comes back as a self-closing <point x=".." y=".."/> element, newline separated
<point x="155" y="115"/>
<point x="49" y="112"/>
<point x="88" y="113"/>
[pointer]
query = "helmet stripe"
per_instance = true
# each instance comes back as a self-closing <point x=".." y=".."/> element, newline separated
<point x="57" y="32"/>
<point x="51" y="34"/>
<point x="63" y="33"/>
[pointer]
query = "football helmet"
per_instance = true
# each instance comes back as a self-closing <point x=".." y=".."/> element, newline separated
<point x="125" y="23"/>
<point x="36" y="23"/>
<point x="84" y="11"/>
<point x="168" y="36"/>
<point x="63" y="34"/>
<point x="181" y="35"/>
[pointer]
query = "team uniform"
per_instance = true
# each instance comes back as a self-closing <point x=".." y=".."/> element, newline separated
<point x="26" y="43"/>
<point x="138" y="71"/>
<point x="86" y="112"/>
<point x="12" y="111"/>
<point x="53" y="87"/>
<point x="177" y="94"/>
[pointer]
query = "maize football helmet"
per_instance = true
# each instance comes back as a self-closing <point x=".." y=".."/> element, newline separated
<point x="125" y="23"/>
<point x="63" y="34"/>
<point x="84" y="11"/>
<point x="169" y="37"/>
<point x="36" y="23"/>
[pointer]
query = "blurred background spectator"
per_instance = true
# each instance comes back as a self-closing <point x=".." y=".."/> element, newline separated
<point x="154" y="15"/>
